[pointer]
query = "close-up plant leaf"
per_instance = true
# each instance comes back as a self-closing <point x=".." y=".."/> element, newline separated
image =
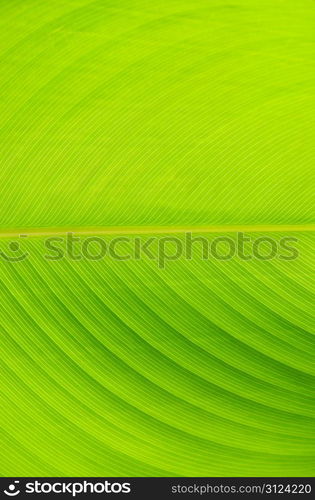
<point x="150" y="119"/>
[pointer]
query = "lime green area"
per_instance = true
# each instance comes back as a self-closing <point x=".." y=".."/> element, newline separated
<point x="131" y="113"/>
<point x="167" y="112"/>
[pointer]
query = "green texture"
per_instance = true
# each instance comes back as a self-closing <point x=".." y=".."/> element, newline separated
<point x="167" y="113"/>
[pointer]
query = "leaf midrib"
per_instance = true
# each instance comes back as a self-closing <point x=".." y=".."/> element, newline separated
<point x="111" y="230"/>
